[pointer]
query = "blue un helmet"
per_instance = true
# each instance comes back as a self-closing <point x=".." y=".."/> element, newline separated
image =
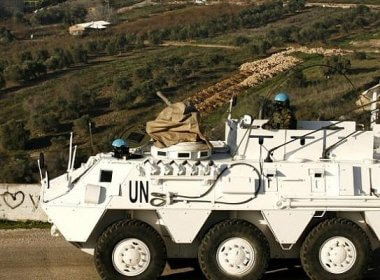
<point x="120" y="148"/>
<point x="282" y="98"/>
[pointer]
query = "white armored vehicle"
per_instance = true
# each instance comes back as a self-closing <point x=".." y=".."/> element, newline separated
<point x="310" y="193"/>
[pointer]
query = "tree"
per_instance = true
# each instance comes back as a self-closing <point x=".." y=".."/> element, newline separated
<point x="336" y="65"/>
<point x="81" y="125"/>
<point x="212" y="59"/>
<point x="16" y="168"/>
<point x="42" y="55"/>
<point x="32" y="70"/>
<point x="112" y="48"/>
<point x="14" y="136"/>
<point x="296" y="5"/>
<point x="360" y="55"/>
<point x="48" y="122"/>
<point x="144" y="73"/>
<point x="6" y="36"/>
<point x="241" y="40"/>
<point x="155" y="37"/>
<point x="14" y="73"/>
<point x="298" y="79"/>
<point x="122" y="82"/>
<point x="79" y="54"/>
<point x="24" y="56"/>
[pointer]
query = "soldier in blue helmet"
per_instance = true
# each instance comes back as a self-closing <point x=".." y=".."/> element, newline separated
<point x="283" y="116"/>
<point x="120" y="148"/>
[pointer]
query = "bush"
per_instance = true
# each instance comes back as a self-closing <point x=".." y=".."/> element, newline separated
<point x="124" y="99"/>
<point x="14" y="73"/>
<point x="81" y="125"/>
<point x="260" y="48"/>
<point x="6" y="36"/>
<point x="360" y="55"/>
<point x="32" y="70"/>
<point x="241" y="40"/>
<point x="14" y="136"/>
<point x="298" y="79"/>
<point x="50" y="16"/>
<point x="336" y="65"/>
<point x="79" y="54"/>
<point x="16" y="169"/>
<point x="212" y="59"/>
<point x="48" y="122"/>
<point x="144" y="73"/>
<point x="73" y="101"/>
<point x="295" y="5"/>
<point x="42" y="55"/>
<point x="59" y="141"/>
<point x="122" y="82"/>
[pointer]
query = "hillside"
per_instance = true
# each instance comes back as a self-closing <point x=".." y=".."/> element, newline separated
<point x="55" y="83"/>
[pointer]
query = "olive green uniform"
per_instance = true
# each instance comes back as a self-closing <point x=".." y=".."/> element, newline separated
<point x="282" y="118"/>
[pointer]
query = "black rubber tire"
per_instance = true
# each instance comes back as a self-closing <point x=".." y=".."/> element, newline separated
<point x="129" y="229"/>
<point x="227" y="229"/>
<point x="326" y="230"/>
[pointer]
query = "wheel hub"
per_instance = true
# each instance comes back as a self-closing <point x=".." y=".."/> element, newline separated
<point x="337" y="255"/>
<point x="236" y="256"/>
<point x="131" y="257"/>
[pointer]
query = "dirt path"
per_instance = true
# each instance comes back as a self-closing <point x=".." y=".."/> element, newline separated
<point x="342" y="6"/>
<point x="35" y="255"/>
<point x="189" y="44"/>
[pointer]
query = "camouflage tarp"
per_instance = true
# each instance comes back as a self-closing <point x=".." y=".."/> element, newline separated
<point x="175" y="125"/>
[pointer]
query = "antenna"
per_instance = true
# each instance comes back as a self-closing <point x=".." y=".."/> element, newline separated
<point x="70" y="152"/>
<point x="233" y="101"/>
<point x="164" y="98"/>
<point x="374" y="108"/>
<point x="73" y="159"/>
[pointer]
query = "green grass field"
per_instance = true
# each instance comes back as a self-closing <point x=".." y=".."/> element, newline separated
<point x="5" y="224"/>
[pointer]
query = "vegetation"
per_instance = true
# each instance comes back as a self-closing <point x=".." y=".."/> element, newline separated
<point x="61" y="14"/>
<point x="55" y="84"/>
<point x="5" y="224"/>
<point x="14" y="136"/>
<point x="6" y="36"/>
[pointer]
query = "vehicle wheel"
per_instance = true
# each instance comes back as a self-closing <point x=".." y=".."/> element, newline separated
<point x="233" y="249"/>
<point x="130" y="249"/>
<point x="336" y="249"/>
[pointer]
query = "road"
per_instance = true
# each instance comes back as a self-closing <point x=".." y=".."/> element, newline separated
<point x="35" y="255"/>
<point x="339" y="5"/>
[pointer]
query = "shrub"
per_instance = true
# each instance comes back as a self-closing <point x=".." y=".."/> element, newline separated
<point x="6" y="36"/>
<point x="122" y="82"/>
<point x="241" y="40"/>
<point x="336" y="65"/>
<point x="360" y="55"/>
<point x="81" y="125"/>
<point x="48" y="122"/>
<point x="295" y="5"/>
<point x="144" y="73"/>
<point x="42" y="55"/>
<point x="14" y="73"/>
<point x="298" y="79"/>
<point x="16" y="169"/>
<point x="212" y="59"/>
<point x="79" y="54"/>
<point x="14" y="136"/>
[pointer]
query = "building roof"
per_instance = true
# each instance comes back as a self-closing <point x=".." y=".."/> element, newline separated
<point x="101" y="24"/>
